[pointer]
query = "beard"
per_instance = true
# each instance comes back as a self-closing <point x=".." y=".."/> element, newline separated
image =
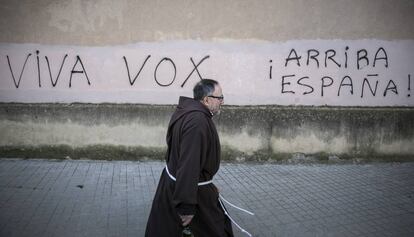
<point x="216" y="111"/>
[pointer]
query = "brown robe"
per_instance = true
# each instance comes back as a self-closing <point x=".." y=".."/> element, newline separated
<point x="193" y="156"/>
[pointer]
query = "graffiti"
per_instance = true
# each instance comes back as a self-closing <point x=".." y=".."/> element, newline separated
<point x="79" y="68"/>
<point x="78" y="59"/>
<point x="333" y="58"/>
<point x="139" y="72"/>
<point x="369" y="83"/>
<point x="17" y="84"/>
<point x="50" y="72"/>
<point x="172" y="63"/>
<point x="346" y="81"/>
<point x="156" y="69"/>
<point x="53" y="82"/>
<point x="38" y="67"/>
<point x="195" y="69"/>
<point x="366" y="72"/>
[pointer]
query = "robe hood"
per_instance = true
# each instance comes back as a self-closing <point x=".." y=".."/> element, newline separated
<point x="186" y="105"/>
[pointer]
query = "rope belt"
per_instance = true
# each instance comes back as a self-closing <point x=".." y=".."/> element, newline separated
<point x="173" y="178"/>
<point x="220" y="199"/>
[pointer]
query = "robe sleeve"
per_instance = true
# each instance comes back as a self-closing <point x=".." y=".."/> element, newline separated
<point x="192" y="151"/>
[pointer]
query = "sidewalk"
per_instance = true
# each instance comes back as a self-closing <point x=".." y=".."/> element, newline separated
<point x="113" y="198"/>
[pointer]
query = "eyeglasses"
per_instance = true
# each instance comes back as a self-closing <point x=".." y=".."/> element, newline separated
<point x="216" y="97"/>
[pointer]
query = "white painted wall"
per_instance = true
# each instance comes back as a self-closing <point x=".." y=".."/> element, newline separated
<point x="301" y="72"/>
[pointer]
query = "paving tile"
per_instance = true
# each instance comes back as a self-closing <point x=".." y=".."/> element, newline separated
<point x="113" y="198"/>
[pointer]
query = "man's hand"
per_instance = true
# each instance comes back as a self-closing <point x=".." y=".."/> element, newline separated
<point x="186" y="219"/>
<point x="216" y="188"/>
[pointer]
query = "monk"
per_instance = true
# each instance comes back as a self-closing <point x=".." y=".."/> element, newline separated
<point x="186" y="196"/>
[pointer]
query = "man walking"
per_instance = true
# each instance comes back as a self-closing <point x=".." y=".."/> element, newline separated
<point x="186" y="196"/>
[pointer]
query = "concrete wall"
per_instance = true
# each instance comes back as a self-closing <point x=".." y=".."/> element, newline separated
<point x="131" y="131"/>
<point x="107" y="131"/>
<point x="106" y="22"/>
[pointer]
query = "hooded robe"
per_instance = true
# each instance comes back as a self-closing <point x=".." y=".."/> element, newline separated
<point x="193" y="156"/>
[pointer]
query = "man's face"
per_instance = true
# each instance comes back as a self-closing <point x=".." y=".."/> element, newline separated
<point x="214" y="101"/>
